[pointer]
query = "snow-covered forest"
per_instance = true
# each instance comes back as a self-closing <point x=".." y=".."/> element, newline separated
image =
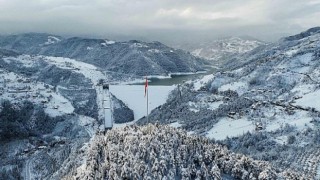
<point x="163" y="152"/>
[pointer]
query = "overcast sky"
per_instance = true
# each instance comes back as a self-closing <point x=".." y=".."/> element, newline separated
<point x="163" y="20"/>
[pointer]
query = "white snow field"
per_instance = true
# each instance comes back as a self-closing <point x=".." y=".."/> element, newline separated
<point x="199" y="83"/>
<point x="175" y="124"/>
<point x="59" y="105"/>
<point x="310" y="100"/>
<point x="239" y="87"/>
<point x="228" y="127"/>
<point x="88" y="70"/>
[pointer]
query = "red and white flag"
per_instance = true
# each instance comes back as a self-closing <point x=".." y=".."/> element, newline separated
<point x="146" y="87"/>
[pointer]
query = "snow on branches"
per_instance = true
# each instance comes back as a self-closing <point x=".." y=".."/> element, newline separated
<point x="163" y="152"/>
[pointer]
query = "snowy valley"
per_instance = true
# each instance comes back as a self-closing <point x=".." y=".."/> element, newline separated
<point x="53" y="105"/>
<point x="257" y="118"/>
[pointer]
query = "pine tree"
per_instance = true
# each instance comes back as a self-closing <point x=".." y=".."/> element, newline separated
<point x="215" y="172"/>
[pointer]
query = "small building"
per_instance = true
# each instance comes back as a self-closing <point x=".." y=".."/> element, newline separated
<point x="44" y="101"/>
<point x="42" y="147"/>
<point x="105" y="86"/>
<point x="259" y="126"/>
<point x="28" y="80"/>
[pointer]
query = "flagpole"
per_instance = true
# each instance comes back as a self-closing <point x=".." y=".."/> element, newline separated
<point x="147" y="104"/>
<point x="147" y="92"/>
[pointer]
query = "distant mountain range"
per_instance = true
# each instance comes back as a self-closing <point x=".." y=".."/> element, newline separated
<point x="223" y="48"/>
<point x="131" y="57"/>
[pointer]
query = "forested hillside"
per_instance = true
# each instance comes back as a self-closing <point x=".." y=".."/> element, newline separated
<point x="163" y="152"/>
<point x="135" y="58"/>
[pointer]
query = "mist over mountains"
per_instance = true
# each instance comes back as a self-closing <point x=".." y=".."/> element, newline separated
<point x="223" y="49"/>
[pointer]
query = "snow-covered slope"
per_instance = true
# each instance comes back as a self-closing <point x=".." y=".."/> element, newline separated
<point x="281" y="75"/>
<point x="220" y="50"/>
<point x="49" y="108"/>
<point x="28" y="41"/>
<point x="272" y="90"/>
<point x="126" y="58"/>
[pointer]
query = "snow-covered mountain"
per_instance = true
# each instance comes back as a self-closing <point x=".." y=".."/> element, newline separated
<point x="132" y="57"/>
<point x="49" y="107"/>
<point x="271" y="92"/>
<point x="263" y="104"/>
<point x="222" y="49"/>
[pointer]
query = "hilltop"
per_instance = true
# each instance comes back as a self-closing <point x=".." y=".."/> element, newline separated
<point x="163" y="152"/>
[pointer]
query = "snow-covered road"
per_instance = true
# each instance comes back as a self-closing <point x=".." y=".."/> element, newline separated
<point x="28" y="173"/>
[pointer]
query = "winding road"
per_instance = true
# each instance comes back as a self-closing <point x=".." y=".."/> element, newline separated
<point x="28" y="174"/>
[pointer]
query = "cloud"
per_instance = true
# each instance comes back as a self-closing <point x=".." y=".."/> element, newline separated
<point x="162" y="20"/>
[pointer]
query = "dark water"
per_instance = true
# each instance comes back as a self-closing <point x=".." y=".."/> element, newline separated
<point x="177" y="79"/>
